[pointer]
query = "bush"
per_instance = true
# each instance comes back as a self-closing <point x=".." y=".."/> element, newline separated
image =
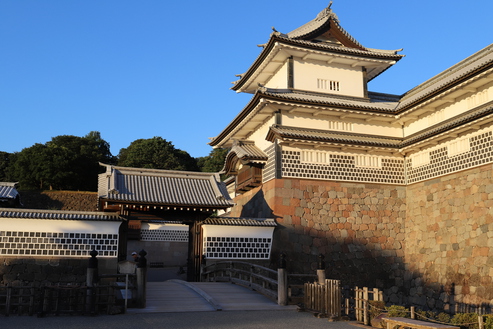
<point x="444" y="317"/>
<point x="429" y="315"/>
<point x="376" y="307"/>
<point x="488" y="323"/>
<point x="465" y="320"/>
<point x="395" y="311"/>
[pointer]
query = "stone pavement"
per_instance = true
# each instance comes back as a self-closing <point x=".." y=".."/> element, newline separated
<point x="215" y="320"/>
<point x="181" y="296"/>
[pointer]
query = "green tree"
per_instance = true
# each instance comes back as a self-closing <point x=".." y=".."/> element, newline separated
<point x="156" y="153"/>
<point x="214" y="162"/>
<point x="66" y="162"/>
<point x="5" y="159"/>
<point x="32" y="167"/>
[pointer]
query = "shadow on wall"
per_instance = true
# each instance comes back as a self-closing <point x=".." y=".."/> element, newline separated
<point x="356" y="265"/>
<point x="362" y="249"/>
<point x="257" y="207"/>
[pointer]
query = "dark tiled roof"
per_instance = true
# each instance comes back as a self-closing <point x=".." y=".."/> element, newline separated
<point x="8" y="191"/>
<point x="327" y="136"/>
<point x="481" y="59"/>
<point x="323" y="18"/>
<point x="240" y="221"/>
<point x="163" y="187"/>
<point x="247" y="151"/>
<point x="58" y="215"/>
<point x="374" y="104"/>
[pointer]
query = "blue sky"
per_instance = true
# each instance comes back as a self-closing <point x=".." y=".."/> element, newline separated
<point x="138" y="69"/>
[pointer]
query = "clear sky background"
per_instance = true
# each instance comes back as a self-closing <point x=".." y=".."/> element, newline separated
<point x="138" y="69"/>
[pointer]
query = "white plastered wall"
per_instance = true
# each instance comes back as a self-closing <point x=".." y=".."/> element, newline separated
<point x="356" y="126"/>
<point x="350" y="79"/>
<point x="280" y="79"/>
<point x="258" y="136"/>
<point x="445" y="112"/>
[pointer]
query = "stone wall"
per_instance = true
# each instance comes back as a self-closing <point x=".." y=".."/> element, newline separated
<point x="449" y="231"/>
<point x="358" y="227"/>
<point x="428" y="244"/>
<point x="60" y="200"/>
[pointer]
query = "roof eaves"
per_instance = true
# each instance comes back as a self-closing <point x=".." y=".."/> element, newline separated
<point x="58" y="214"/>
<point x="473" y="65"/>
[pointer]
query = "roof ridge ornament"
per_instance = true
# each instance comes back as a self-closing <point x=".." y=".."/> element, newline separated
<point x="328" y="12"/>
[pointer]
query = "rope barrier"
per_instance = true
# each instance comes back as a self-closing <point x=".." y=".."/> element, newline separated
<point x="373" y="307"/>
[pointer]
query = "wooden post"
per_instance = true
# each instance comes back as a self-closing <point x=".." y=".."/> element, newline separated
<point x="91" y="278"/>
<point x="480" y="322"/>
<point x="413" y="314"/>
<point x="282" y="282"/>
<point x="203" y="264"/>
<point x="366" y="319"/>
<point x="321" y="269"/>
<point x="141" y="279"/>
<point x="357" y="302"/>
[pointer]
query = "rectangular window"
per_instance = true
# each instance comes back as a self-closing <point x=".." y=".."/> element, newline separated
<point x="420" y="159"/>
<point x="328" y="84"/>
<point x="314" y="157"/>
<point x="368" y="161"/>
<point x="458" y="147"/>
<point x="339" y="125"/>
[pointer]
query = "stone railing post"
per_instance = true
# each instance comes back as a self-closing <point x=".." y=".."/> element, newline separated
<point x="282" y="282"/>
<point x="321" y="269"/>
<point x="141" y="272"/>
<point x="91" y="278"/>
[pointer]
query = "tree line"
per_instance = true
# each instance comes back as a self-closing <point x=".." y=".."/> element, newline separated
<point x="69" y="162"/>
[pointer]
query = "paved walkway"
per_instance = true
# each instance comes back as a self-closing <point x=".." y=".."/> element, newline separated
<point x="204" y="320"/>
<point x="180" y="296"/>
<point x="190" y="308"/>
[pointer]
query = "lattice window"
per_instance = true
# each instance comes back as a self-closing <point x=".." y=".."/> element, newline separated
<point x="441" y="162"/>
<point x="18" y="243"/>
<point x="368" y="161"/>
<point x="237" y="247"/>
<point x="458" y="146"/>
<point x="328" y="84"/>
<point x="341" y="167"/>
<point x="339" y="125"/>
<point x="314" y="157"/>
<point x="420" y="159"/>
<point x="164" y="235"/>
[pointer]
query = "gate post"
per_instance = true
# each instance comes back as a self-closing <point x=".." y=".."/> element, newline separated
<point x="321" y="269"/>
<point x="91" y="277"/>
<point x="141" y="279"/>
<point x="203" y="264"/>
<point x="282" y="282"/>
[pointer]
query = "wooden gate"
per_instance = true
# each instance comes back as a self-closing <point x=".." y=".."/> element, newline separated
<point x="325" y="298"/>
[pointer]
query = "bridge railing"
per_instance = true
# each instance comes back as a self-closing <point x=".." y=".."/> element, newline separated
<point x="255" y="277"/>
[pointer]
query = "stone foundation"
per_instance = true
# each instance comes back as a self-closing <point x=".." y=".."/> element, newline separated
<point x="449" y="250"/>
<point x="427" y="244"/>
